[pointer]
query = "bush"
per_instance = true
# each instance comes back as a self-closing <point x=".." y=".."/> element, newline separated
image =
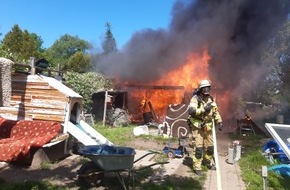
<point x="86" y="84"/>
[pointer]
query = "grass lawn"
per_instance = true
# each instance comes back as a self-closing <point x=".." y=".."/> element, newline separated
<point x="250" y="163"/>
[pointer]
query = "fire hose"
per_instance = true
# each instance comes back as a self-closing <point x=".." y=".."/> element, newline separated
<point x="218" y="175"/>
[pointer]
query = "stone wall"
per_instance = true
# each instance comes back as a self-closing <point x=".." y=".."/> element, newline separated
<point x="5" y="83"/>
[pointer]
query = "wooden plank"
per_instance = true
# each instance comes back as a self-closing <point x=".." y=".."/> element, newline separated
<point x="41" y="94"/>
<point x="20" y="98"/>
<point x="30" y="92"/>
<point x="40" y="99"/>
<point x="29" y="105"/>
<point x="14" y="113"/>
<point x="15" y="117"/>
<point x="11" y="110"/>
<point x="53" y="101"/>
<point x="58" y="118"/>
<point x="51" y="115"/>
<point x="31" y="83"/>
<point x="28" y="86"/>
<point x="46" y="111"/>
<point x="160" y="87"/>
<point x="53" y="90"/>
<point x="50" y="97"/>
<point x="14" y="103"/>
<point x="10" y="113"/>
<point x="153" y="111"/>
<point x="7" y="108"/>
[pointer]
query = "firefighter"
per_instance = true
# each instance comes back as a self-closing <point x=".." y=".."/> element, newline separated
<point x="203" y="111"/>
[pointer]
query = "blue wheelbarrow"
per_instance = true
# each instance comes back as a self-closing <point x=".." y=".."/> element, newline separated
<point x="105" y="158"/>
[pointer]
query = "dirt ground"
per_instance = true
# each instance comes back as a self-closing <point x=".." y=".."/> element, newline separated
<point x="64" y="172"/>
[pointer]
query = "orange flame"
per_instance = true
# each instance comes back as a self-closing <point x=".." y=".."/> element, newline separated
<point x="195" y="69"/>
<point x="182" y="80"/>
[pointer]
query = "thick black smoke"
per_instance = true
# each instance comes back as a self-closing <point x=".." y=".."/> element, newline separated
<point x="234" y="31"/>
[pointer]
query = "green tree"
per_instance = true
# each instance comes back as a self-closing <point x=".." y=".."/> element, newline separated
<point x="65" y="47"/>
<point x="79" y="62"/>
<point x="109" y="44"/>
<point x="12" y="43"/>
<point x="20" y="45"/>
<point x="31" y="45"/>
<point x="282" y="52"/>
<point x="276" y="56"/>
<point x="38" y="42"/>
<point x="86" y="84"/>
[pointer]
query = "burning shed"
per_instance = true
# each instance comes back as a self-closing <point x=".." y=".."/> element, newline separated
<point x="107" y="103"/>
<point x="143" y="103"/>
<point x="150" y="102"/>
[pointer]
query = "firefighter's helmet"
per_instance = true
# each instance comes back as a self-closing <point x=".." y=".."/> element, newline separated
<point x="204" y="87"/>
<point x="204" y="83"/>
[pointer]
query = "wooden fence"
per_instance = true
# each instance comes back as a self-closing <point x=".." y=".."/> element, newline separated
<point x="32" y="69"/>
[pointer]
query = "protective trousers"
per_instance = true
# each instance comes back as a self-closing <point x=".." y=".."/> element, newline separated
<point x="202" y="147"/>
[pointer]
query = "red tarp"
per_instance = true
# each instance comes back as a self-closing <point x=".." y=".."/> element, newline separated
<point x="18" y="137"/>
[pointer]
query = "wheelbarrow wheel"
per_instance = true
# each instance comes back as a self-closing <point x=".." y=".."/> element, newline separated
<point x="90" y="175"/>
<point x="171" y="154"/>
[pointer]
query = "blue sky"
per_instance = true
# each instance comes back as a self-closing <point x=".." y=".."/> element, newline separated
<point x="86" y="19"/>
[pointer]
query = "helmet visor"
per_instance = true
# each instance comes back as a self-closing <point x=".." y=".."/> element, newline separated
<point x="205" y="90"/>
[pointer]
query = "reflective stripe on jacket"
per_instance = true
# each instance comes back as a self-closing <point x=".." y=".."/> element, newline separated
<point x="201" y="118"/>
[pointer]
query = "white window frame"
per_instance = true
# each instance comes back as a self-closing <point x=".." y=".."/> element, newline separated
<point x="271" y="127"/>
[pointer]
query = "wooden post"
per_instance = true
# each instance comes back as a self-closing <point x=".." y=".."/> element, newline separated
<point x="58" y="69"/>
<point x="32" y="64"/>
<point x="58" y="76"/>
<point x="153" y="111"/>
<point x="105" y="108"/>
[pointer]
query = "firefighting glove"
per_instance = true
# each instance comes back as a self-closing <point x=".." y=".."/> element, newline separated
<point x="207" y="108"/>
<point x="192" y="111"/>
<point x="220" y="126"/>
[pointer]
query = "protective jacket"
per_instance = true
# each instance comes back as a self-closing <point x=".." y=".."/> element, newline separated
<point x="204" y="110"/>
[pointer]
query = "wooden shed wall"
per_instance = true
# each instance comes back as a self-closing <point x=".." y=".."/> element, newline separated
<point x="35" y="99"/>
